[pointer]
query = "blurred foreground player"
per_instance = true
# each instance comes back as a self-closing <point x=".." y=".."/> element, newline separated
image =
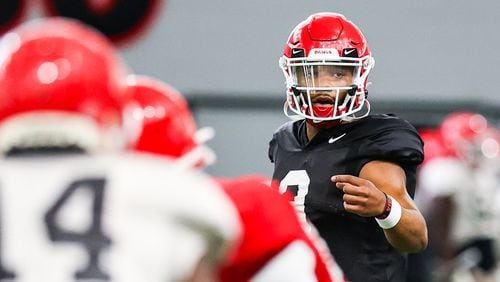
<point x="273" y="246"/>
<point x="164" y="123"/>
<point x="353" y="174"/>
<point x="73" y="205"/>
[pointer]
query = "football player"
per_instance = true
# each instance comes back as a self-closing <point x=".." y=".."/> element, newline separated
<point x="163" y="123"/>
<point x="352" y="174"/>
<point x="461" y="186"/>
<point x="74" y="206"/>
<point x="422" y="265"/>
<point x="274" y="246"/>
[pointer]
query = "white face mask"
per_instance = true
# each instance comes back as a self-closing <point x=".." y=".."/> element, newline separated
<point x="341" y="78"/>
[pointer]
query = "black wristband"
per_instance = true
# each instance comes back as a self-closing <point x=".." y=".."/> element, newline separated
<point x="387" y="207"/>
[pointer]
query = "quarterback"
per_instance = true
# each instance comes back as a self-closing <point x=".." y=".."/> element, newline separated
<point x="352" y="174"/>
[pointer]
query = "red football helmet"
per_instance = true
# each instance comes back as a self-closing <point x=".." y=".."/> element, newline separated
<point x="167" y="126"/>
<point x="468" y="136"/>
<point x="326" y="43"/>
<point x="433" y="144"/>
<point x="61" y="84"/>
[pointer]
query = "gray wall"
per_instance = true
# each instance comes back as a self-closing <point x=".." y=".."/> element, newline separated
<point x="241" y="139"/>
<point x="425" y="51"/>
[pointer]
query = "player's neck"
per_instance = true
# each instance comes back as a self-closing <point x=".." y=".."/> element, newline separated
<point x="311" y="131"/>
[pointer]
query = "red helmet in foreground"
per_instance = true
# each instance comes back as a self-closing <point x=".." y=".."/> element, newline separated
<point x="165" y="123"/>
<point x="61" y="85"/>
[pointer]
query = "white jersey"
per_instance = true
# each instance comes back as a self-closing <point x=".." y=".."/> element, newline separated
<point x="472" y="192"/>
<point x="108" y="218"/>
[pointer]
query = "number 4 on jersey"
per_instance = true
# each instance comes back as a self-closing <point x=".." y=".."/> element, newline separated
<point x="93" y="239"/>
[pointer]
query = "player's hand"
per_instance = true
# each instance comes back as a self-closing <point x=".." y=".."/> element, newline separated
<point x="361" y="196"/>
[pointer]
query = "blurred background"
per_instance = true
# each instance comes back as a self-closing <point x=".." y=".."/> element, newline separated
<point x="432" y="57"/>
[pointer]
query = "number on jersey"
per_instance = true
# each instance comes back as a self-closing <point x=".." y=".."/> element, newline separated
<point x="93" y="239"/>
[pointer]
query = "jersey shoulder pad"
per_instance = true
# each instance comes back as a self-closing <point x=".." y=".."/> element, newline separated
<point x="296" y="262"/>
<point x="391" y="138"/>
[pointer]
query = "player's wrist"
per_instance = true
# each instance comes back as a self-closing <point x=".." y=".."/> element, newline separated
<point x="391" y="215"/>
<point x="387" y="207"/>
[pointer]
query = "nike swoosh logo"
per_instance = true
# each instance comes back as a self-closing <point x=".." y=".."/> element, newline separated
<point x="296" y="51"/>
<point x="331" y="140"/>
<point x="347" y="52"/>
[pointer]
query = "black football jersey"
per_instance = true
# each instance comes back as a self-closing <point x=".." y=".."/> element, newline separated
<point x="357" y="243"/>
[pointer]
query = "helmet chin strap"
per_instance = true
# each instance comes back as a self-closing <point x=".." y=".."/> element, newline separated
<point x="322" y="111"/>
<point x="347" y="119"/>
<point x="353" y="117"/>
<point x="293" y="117"/>
<point x="325" y="123"/>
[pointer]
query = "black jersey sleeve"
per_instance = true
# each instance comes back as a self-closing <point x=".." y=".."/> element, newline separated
<point x="395" y="140"/>
<point x="399" y="144"/>
<point x="391" y="138"/>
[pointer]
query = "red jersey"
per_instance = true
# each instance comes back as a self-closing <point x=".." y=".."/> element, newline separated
<point x="273" y="238"/>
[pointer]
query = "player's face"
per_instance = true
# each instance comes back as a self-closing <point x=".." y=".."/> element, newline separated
<point x="328" y="77"/>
